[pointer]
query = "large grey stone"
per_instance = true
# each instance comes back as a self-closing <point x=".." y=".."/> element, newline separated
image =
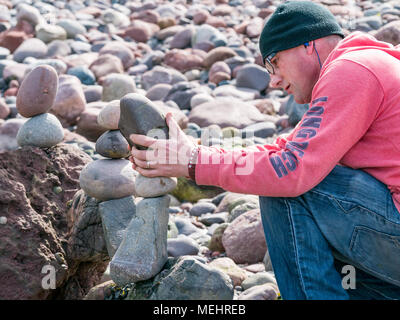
<point x="108" y="179"/>
<point x="153" y="187"/>
<point x="143" y="251"/>
<point x="115" y="217"/>
<point x="141" y="116"/>
<point x="185" y="278"/>
<point x="43" y="131"/>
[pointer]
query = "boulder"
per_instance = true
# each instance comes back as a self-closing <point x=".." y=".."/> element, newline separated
<point x="185" y="278"/>
<point x="244" y="239"/>
<point x="143" y="250"/>
<point x="35" y="235"/>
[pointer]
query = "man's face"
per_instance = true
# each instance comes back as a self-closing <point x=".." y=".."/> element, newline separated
<point x="295" y="72"/>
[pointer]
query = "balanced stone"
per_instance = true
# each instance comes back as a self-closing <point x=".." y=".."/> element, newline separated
<point x="143" y="251"/>
<point x="139" y="115"/>
<point x="112" y="144"/>
<point x="109" y="115"/>
<point x="37" y="92"/>
<point x="43" y="131"/>
<point x="115" y="217"/>
<point x="153" y="187"/>
<point x="108" y="179"/>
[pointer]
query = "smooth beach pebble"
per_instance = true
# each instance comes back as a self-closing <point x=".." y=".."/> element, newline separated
<point x="43" y="130"/>
<point x="38" y="91"/>
<point x="108" y="179"/>
<point x="109" y="115"/>
<point x="112" y="144"/>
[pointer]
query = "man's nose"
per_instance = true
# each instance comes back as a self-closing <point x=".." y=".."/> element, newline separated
<point x="276" y="81"/>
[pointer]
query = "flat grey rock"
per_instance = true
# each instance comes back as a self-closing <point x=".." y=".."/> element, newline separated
<point x="143" y="251"/>
<point x="185" y="278"/>
<point x="115" y="217"/>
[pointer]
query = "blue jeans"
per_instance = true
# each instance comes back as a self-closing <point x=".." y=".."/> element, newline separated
<point x="347" y="219"/>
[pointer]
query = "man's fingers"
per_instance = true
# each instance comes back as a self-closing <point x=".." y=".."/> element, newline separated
<point x="142" y="140"/>
<point x="151" y="173"/>
<point x="174" y="129"/>
<point x="145" y="164"/>
<point x="139" y="154"/>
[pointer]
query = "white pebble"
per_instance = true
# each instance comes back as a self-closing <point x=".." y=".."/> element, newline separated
<point x="3" y="220"/>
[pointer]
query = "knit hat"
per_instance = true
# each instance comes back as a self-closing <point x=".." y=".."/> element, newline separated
<point x="294" y="23"/>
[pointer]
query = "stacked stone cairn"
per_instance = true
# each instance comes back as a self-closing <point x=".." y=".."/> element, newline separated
<point x="135" y="220"/>
<point x="35" y="97"/>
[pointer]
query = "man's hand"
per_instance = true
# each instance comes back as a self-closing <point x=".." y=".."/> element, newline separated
<point x="163" y="158"/>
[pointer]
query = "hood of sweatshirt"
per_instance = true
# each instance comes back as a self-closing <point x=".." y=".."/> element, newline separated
<point x="360" y="41"/>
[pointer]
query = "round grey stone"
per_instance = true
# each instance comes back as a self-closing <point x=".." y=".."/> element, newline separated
<point x="112" y="144"/>
<point x="201" y="208"/>
<point x="182" y="246"/>
<point x="108" y="179"/>
<point x="44" y="131"/>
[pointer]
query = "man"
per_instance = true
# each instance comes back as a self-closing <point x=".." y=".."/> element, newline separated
<point x="329" y="191"/>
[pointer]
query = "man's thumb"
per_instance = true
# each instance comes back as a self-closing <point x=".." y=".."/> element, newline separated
<point x="172" y="125"/>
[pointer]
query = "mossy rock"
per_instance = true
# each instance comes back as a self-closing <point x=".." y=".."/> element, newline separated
<point x="230" y="132"/>
<point x="216" y="239"/>
<point x="188" y="190"/>
<point x="240" y="209"/>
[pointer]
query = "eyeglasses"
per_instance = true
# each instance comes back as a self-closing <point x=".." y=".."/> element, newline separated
<point x="268" y="63"/>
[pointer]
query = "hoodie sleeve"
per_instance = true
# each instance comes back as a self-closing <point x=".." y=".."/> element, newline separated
<point x="345" y="102"/>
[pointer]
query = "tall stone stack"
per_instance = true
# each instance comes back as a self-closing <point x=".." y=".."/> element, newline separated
<point x="111" y="180"/>
<point x="135" y="231"/>
<point x="143" y="251"/>
<point x="35" y="97"/>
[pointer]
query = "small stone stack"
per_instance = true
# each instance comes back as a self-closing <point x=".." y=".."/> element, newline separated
<point x="35" y="97"/>
<point x="143" y="251"/>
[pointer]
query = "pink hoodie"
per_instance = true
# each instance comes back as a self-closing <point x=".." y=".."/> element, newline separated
<point x="353" y="120"/>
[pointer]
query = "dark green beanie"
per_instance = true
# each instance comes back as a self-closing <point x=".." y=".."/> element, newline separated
<point x="294" y="23"/>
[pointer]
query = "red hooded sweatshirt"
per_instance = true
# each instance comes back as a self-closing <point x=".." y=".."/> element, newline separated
<point x="353" y="120"/>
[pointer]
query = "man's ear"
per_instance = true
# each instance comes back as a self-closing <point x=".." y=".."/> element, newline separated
<point x="309" y="46"/>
